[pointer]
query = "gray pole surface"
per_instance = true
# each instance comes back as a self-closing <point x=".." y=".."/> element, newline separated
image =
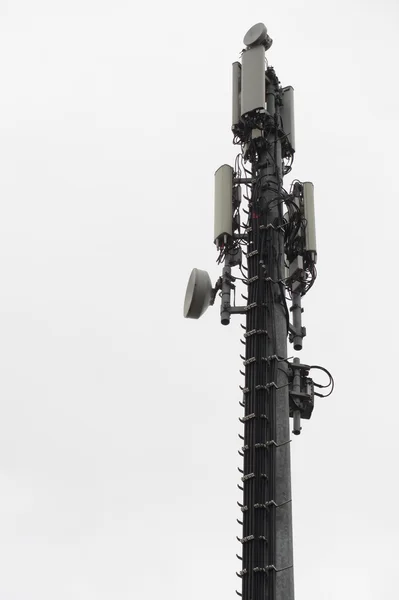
<point x="267" y="544"/>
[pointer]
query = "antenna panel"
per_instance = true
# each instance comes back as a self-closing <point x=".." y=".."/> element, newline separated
<point x="287" y="115"/>
<point x="223" y="203"/>
<point x="236" y="93"/>
<point x="309" y="214"/>
<point x="253" y="80"/>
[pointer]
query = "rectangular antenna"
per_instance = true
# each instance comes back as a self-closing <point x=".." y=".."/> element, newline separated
<point x="309" y="214"/>
<point x="223" y="204"/>
<point x="253" y="80"/>
<point x="236" y="93"/>
<point x="287" y="115"/>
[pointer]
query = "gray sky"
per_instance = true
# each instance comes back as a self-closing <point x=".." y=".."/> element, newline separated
<point x="118" y="418"/>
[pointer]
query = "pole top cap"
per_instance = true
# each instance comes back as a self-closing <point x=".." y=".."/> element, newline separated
<point x="257" y="36"/>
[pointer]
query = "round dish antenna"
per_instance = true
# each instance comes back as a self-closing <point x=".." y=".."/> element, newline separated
<point x="198" y="294"/>
<point x="256" y="35"/>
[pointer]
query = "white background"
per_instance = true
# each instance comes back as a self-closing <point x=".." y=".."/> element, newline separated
<point x="118" y="418"/>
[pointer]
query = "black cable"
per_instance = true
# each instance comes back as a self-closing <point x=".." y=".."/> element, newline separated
<point x="331" y="382"/>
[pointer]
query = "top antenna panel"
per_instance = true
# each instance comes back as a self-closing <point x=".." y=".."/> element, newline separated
<point x="256" y="35"/>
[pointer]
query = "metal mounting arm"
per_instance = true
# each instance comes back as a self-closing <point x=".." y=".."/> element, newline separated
<point x="297" y="332"/>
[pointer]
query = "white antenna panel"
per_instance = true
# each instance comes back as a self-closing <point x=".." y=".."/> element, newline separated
<point x="236" y="93"/>
<point x="287" y="115"/>
<point x="309" y="214"/>
<point x="223" y="203"/>
<point x="253" y="80"/>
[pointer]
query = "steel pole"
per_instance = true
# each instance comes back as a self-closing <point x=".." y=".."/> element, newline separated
<point x="267" y="542"/>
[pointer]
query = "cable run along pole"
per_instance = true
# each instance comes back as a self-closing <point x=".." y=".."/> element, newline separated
<point x="277" y="242"/>
<point x="267" y="544"/>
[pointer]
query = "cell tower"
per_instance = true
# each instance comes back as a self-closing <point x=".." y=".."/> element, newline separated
<point x="271" y="241"/>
